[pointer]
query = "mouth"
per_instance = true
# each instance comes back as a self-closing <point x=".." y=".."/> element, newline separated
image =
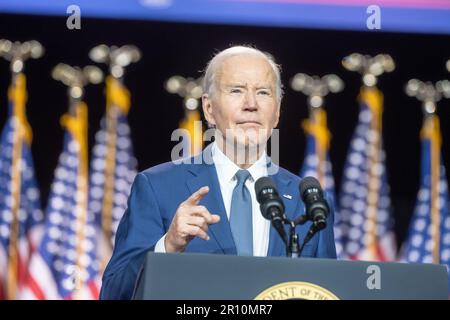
<point x="249" y="123"/>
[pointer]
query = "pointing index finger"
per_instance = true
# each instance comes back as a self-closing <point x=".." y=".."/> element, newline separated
<point x="198" y="195"/>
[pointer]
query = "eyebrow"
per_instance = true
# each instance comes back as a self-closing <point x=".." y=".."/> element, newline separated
<point x="235" y="85"/>
<point x="240" y="85"/>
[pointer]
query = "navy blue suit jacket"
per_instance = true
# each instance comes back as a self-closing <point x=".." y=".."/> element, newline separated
<point x="155" y="196"/>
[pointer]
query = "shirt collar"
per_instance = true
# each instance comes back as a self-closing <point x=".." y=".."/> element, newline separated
<point x="226" y="169"/>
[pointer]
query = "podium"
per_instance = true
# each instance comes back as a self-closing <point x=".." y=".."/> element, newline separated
<point x="224" y="277"/>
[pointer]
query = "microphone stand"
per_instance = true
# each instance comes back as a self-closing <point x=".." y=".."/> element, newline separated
<point x="292" y="247"/>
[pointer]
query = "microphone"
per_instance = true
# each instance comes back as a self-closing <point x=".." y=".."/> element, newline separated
<point x="271" y="205"/>
<point x="316" y="206"/>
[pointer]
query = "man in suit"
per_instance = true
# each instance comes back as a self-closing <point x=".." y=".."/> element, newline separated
<point x="210" y="206"/>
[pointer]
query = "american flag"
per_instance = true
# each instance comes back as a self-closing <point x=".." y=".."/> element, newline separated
<point x="429" y="233"/>
<point x="65" y="266"/>
<point x="20" y="208"/>
<point x="113" y="167"/>
<point x="364" y="201"/>
<point x="317" y="162"/>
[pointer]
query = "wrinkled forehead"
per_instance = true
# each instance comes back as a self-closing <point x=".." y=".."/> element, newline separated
<point x="245" y="69"/>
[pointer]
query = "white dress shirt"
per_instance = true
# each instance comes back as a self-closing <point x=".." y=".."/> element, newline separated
<point x="226" y="170"/>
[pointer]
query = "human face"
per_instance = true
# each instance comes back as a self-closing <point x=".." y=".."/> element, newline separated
<point x="243" y="106"/>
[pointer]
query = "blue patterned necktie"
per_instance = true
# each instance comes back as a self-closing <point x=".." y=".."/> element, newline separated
<point x="241" y="215"/>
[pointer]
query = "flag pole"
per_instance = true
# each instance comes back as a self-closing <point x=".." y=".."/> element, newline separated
<point x="76" y="122"/>
<point x="117" y="101"/>
<point x="370" y="68"/>
<point x="17" y="53"/>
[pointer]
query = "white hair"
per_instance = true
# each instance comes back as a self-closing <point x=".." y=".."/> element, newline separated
<point x="209" y="79"/>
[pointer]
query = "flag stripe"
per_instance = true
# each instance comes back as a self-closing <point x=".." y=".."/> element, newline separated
<point x="35" y="289"/>
<point x="40" y="279"/>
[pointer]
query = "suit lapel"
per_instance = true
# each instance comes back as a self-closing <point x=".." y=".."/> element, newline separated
<point x="206" y="175"/>
<point x="285" y="187"/>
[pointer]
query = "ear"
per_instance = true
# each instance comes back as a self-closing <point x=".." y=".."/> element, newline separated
<point x="207" y="109"/>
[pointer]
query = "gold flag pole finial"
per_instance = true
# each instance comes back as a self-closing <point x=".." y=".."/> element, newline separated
<point x="76" y="78"/>
<point x="369" y="67"/>
<point x="18" y="52"/>
<point x="117" y="58"/>
<point x="316" y="88"/>
<point x="427" y="93"/>
<point x="188" y="88"/>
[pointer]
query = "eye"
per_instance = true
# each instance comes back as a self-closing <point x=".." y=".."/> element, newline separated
<point x="236" y="90"/>
<point x="264" y="92"/>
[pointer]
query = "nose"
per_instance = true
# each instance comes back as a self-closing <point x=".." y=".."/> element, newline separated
<point x="250" y="101"/>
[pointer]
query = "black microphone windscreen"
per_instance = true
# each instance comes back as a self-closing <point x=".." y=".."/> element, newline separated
<point x="307" y="183"/>
<point x="263" y="183"/>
